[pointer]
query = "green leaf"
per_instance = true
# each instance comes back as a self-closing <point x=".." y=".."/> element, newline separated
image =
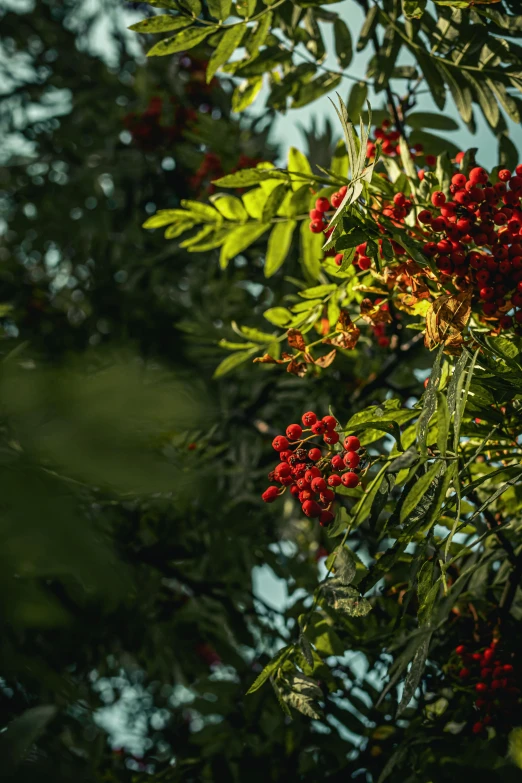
<point x="164" y="217"/>
<point x="259" y="36"/>
<point x="177" y="229"/>
<point x="318" y="291"/>
<point x="507" y="152"/>
<point x="414" y="675"/>
<point x="428" y="119"/>
<point x="254" y="334"/>
<point x="219" y="9"/>
<point x="381" y="496"/>
<point x="22" y="733"/>
<point x="459" y="90"/>
<point x="245" y="8"/>
<point x="368" y="28"/>
<point x="346" y="600"/>
<point x="233" y="361"/>
<point x="389" y="427"/>
<point x="419" y="489"/>
<point x="506" y="100"/>
<point x="486" y="99"/>
<point x="357" y="99"/>
<point x="407" y="160"/>
<point x="228" y="44"/>
<point x="278" y="246"/>
<point x="443" y="423"/>
<point x="269" y="669"/>
<point x="343" y="43"/>
<point x="186" y="39"/>
<point x="245" y="93"/>
<point x="279" y="316"/>
<point x="313" y="90"/>
<point x="274" y="201"/>
<point x="246" y="177"/>
<point x="433" y="77"/>
<point x="192" y="6"/>
<point x="343" y="563"/>
<point x="413" y="9"/>
<point x="240" y="239"/>
<point x="204" y="212"/>
<point x="311" y="251"/>
<point x="230" y="207"/>
<point x="160" y="24"/>
<point x="298" y="164"/>
<point x="444" y="171"/>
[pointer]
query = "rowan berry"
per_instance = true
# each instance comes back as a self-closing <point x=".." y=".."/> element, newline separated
<point x="311" y="508"/>
<point x="270" y="494"/>
<point x="399" y="199"/>
<point x="438" y="198"/>
<point x="319" y="428"/>
<point x="352" y="443"/>
<point x="316" y="215"/>
<point x="364" y="263"/>
<point x="305" y="494"/>
<point x="508" y="668"/>
<point x="350" y="480"/>
<point x="282" y="470"/>
<point x="309" y="418"/>
<point x="478" y="175"/>
<point x="331" y="437"/>
<point x="481" y="687"/>
<point x="477" y="727"/>
<point x="430" y="160"/>
<point x="315" y="455"/>
<point x="334" y="480"/>
<point x="312" y="473"/>
<point x="338" y="259"/>
<point x="464" y="673"/>
<point x="327" y="495"/>
<point x="351" y="459"/>
<point x="303" y="483"/>
<point x="336" y="200"/>
<point x="294" y="431"/>
<point x="506" y="322"/>
<point x="330" y="421"/>
<point x="294" y="489"/>
<point x="280" y="443"/>
<point x="326" y="518"/>
<point x="322" y="205"/>
<point x="438" y="224"/>
<point x="424" y="216"/>
<point x="318" y="484"/>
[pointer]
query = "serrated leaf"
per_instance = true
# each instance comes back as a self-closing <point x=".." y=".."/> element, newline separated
<point x="269" y="669"/>
<point x="346" y="599"/>
<point x="306" y="649"/>
<point x="345" y="565"/>
<point x="245" y="93"/>
<point x="219" y="9"/>
<point x="160" y="24"/>
<point x="302" y="704"/>
<point x="186" y="39"/>
<point x="459" y="90"/>
<point x="343" y="43"/>
<point x="230" y="40"/>
<point x="433" y="77"/>
<point x="233" y="361"/>
<point x="417" y="492"/>
<point x="279" y="244"/>
<point x="230" y="207"/>
<point x="239" y="240"/>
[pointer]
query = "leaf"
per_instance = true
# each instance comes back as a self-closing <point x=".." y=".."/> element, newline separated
<point x="446" y="320"/>
<point x="245" y="8"/>
<point x="186" y="39"/>
<point x="278" y="246"/>
<point x="164" y="217"/>
<point x="343" y="43"/>
<point x="302" y="704"/>
<point x="389" y="427"/>
<point x="245" y="93"/>
<point x="313" y="90"/>
<point x="274" y="201"/>
<point x="357" y="99"/>
<point x="254" y="334"/>
<point x="318" y="291"/>
<point x="229" y="42"/>
<point x="413" y="9"/>
<point x="428" y="119"/>
<point x="247" y="177"/>
<point x="368" y="28"/>
<point x="22" y="733"/>
<point x="343" y="563"/>
<point x="417" y="492"/>
<point x="192" y="6"/>
<point x="259" y="36"/>
<point x="345" y="599"/>
<point x="506" y="100"/>
<point x="306" y="649"/>
<point x="219" y="9"/>
<point x="507" y="152"/>
<point x="403" y="461"/>
<point x="269" y="669"/>
<point x="443" y="423"/>
<point x="432" y="75"/>
<point x="230" y="207"/>
<point x="414" y="675"/>
<point x="381" y="496"/>
<point x="444" y="171"/>
<point x="233" y="361"/>
<point x="311" y="251"/>
<point x="407" y="160"/>
<point x="459" y="90"/>
<point x="240" y="239"/>
<point x="279" y="316"/>
<point x="205" y="212"/>
<point x="160" y="24"/>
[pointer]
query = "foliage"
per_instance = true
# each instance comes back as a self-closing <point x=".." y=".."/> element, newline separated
<point x="142" y="385"/>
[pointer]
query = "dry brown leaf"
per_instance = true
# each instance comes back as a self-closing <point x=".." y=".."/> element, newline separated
<point x="325" y="361"/>
<point x="413" y="304"/>
<point x="297" y="368"/>
<point x="374" y="314"/>
<point x="349" y="333"/>
<point x="446" y="320"/>
<point x="296" y="339"/>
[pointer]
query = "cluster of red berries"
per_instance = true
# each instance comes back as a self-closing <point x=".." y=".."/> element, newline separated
<point x="149" y="129"/>
<point x="479" y="240"/>
<point x="497" y="695"/>
<point x="389" y="145"/>
<point x="318" y="215"/>
<point x="311" y="473"/>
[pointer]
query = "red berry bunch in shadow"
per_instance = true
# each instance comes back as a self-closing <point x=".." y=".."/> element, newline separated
<point x="475" y="237"/>
<point x="313" y="463"/>
<point x="318" y="215"/>
<point x="389" y="144"/>
<point x="492" y="675"/>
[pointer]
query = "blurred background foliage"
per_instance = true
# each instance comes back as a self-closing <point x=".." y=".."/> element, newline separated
<point x="133" y="537"/>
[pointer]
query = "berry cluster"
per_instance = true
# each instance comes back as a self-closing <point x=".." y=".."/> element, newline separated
<point x="389" y="144"/>
<point x="478" y="239"/>
<point x="497" y="695"/>
<point x="318" y="215"/>
<point x="313" y="473"/>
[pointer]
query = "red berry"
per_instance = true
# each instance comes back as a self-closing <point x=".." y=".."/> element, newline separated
<point x="336" y="200"/>
<point x="351" y="459"/>
<point x="305" y="494"/>
<point x="478" y="175"/>
<point x="504" y="175"/>
<point x="425" y="216"/>
<point x="506" y="322"/>
<point x="294" y="431"/>
<point x="294" y="489"/>
<point x="283" y="469"/>
<point x="311" y="508"/>
<point x="331" y="438"/>
<point x="330" y="421"/>
<point x="284" y="456"/>
<point x="477" y="727"/>
<point x="460" y="650"/>
<point x="322" y="204"/>
<point x="270" y="494"/>
<point x="312" y="473"/>
<point x="315" y="455"/>
<point x="399" y="199"/>
<point x="319" y="428"/>
<point x="326" y="518"/>
<point x="308" y="418"/>
<point x="438" y="198"/>
<point x="303" y="483"/>
<point x="459" y="180"/>
<point x="487" y="293"/>
<point x="338" y="259"/>
<point x="327" y="495"/>
<point x="318" y="484"/>
<point x="316" y="226"/>
<point x="337" y="462"/>
<point x="481" y="687"/>
<point x="459" y="157"/>
<point x="334" y="480"/>
<point x="350" y="480"/>
<point x="464" y="674"/>
<point x="364" y="263"/>
<point x="280" y="443"/>
<point x="316" y="215"/>
<point x="352" y="443"/>
<point x="508" y="668"/>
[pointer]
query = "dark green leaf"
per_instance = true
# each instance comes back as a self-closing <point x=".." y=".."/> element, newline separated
<point x="22" y="733"/>
<point x="356" y="100"/>
<point x="428" y="119"/>
<point x="278" y="246"/>
<point x="269" y="669"/>
<point x="160" y="24"/>
<point x="343" y="43"/>
<point x="186" y="39"/>
<point x="228" y="44"/>
<point x="417" y="492"/>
